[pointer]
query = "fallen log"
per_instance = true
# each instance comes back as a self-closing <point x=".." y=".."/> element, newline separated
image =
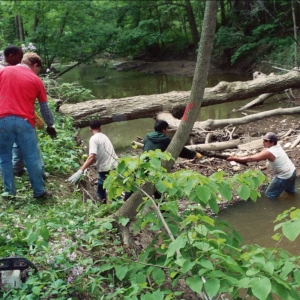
<point x="214" y="124"/>
<point x="215" y="146"/>
<point x="257" y="101"/>
<point x="130" y="108"/>
<point x="296" y="142"/>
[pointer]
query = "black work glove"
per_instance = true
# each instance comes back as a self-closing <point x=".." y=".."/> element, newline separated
<point x="51" y="131"/>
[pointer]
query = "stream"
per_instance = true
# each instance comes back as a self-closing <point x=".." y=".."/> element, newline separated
<point x="254" y="221"/>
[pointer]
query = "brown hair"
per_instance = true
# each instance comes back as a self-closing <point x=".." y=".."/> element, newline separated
<point x="31" y="58"/>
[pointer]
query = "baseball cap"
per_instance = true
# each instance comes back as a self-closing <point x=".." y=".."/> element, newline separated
<point x="270" y="136"/>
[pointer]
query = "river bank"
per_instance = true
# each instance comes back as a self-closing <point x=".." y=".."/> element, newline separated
<point x="173" y="67"/>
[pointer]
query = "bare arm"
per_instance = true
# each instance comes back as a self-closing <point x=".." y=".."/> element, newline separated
<point x="90" y="160"/>
<point x="263" y="155"/>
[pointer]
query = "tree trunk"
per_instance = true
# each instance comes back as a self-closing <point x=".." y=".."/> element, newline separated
<point x="295" y="36"/>
<point x="192" y="22"/>
<point x="130" y="108"/>
<point x="129" y="208"/>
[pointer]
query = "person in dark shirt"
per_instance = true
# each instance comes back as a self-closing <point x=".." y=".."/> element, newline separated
<point x="159" y="140"/>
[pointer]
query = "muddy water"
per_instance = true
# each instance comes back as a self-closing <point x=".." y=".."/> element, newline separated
<point x="254" y="221"/>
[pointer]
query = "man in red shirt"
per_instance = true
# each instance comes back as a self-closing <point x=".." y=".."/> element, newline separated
<point x="19" y="88"/>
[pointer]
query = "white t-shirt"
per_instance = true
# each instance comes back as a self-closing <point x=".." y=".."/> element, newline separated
<point x="282" y="166"/>
<point x="100" y="145"/>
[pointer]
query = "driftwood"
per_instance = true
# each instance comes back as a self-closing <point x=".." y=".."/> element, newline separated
<point x="214" y="124"/>
<point x="257" y="101"/>
<point x="130" y="108"/>
<point x="215" y="146"/>
<point x="296" y="142"/>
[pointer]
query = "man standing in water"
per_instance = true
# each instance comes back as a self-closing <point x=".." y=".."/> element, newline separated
<point x="282" y="167"/>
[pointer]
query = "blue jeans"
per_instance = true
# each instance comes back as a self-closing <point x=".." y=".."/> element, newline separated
<point x="14" y="129"/>
<point x="277" y="186"/>
<point x="101" y="192"/>
<point x="18" y="161"/>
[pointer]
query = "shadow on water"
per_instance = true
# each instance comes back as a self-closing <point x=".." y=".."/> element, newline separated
<point x="254" y="220"/>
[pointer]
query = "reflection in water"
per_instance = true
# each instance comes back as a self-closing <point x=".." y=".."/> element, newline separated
<point x="109" y="84"/>
<point x="254" y="221"/>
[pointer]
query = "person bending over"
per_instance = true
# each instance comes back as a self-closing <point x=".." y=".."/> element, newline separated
<point x="282" y="167"/>
<point x="101" y="152"/>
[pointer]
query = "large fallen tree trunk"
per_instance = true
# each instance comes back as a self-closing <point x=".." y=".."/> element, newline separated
<point x="130" y="108"/>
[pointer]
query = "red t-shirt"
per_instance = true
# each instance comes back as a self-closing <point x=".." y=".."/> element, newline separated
<point x="19" y="87"/>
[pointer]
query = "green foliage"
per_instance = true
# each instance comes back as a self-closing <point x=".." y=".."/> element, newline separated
<point x="67" y="92"/>
<point x="60" y="155"/>
<point x="79" y="254"/>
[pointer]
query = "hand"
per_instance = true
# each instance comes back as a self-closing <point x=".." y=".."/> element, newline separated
<point x="75" y="177"/>
<point x="51" y="131"/>
<point x="198" y="155"/>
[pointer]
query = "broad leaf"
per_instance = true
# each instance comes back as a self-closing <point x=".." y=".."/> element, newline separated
<point x="179" y="243"/>
<point x="44" y="232"/>
<point x="121" y="271"/>
<point x="225" y="192"/>
<point x="261" y="287"/>
<point x="243" y="192"/>
<point x="195" y="283"/>
<point x="158" y="276"/>
<point x="291" y="229"/>
<point x="212" y="287"/>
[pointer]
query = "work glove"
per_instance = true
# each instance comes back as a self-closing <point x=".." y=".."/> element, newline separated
<point x="51" y="131"/>
<point x="198" y="155"/>
<point x="75" y="177"/>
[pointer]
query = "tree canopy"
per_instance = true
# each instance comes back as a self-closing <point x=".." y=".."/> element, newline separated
<point x="74" y="30"/>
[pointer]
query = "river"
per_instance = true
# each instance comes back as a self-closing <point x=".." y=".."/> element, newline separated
<point x="254" y="221"/>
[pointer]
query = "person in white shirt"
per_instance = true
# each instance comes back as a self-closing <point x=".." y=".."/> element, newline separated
<point x="101" y="152"/>
<point x="282" y="167"/>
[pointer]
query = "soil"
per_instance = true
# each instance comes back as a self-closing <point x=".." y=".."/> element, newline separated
<point x="174" y="67"/>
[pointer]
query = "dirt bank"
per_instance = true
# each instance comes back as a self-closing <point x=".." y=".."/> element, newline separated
<point x="176" y="68"/>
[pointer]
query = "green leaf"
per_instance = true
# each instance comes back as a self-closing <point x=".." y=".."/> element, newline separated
<point x="121" y="271"/>
<point x="158" y="276"/>
<point x="213" y="204"/>
<point x="179" y="243"/>
<point x="203" y="193"/>
<point x="269" y="267"/>
<point x="187" y="265"/>
<point x="252" y="271"/>
<point x="32" y="237"/>
<point x="105" y="267"/>
<point x="206" y="264"/>
<point x="212" y="287"/>
<point x="44" y="232"/>
<point x="123" y="221"/>
<point x="244" y="283"/>
<point x="243" y="191"/>
<point x="291" y="229"/>
<point x="261" y="287"/>
<point x="36" y="290"/>
<point x="280" y="290"/>
<point x="225" y="191"/>
<point x="195" y="283"/>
